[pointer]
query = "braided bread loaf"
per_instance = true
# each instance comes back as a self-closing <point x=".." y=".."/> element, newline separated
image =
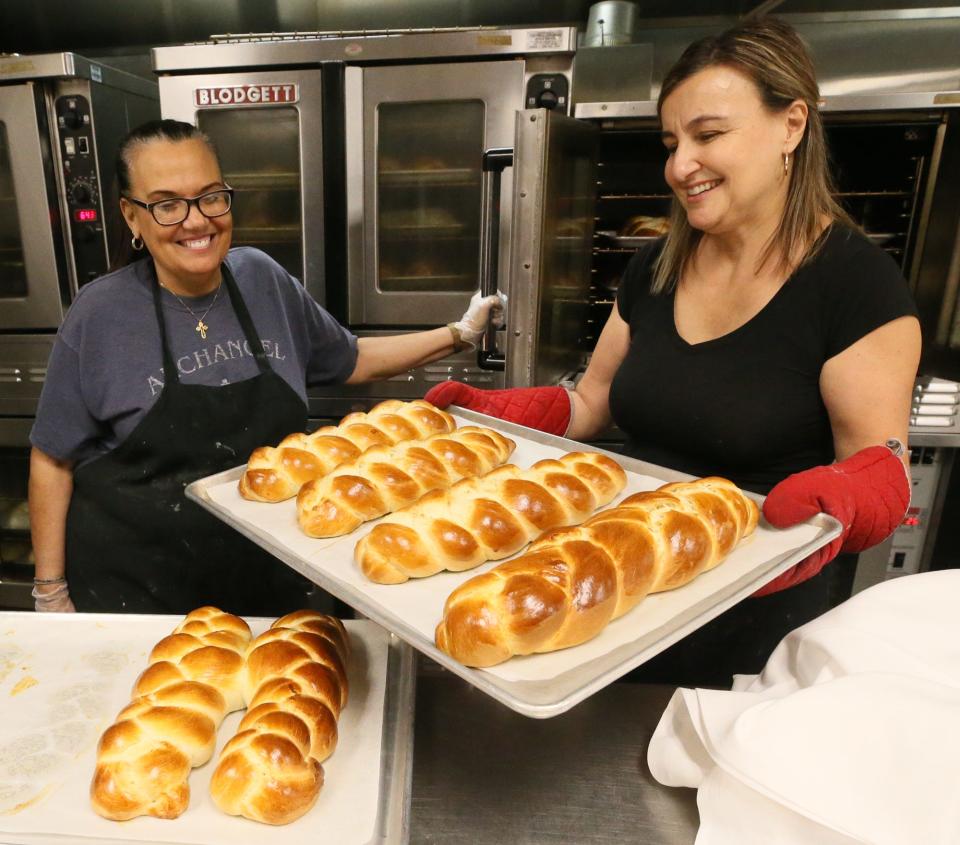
<point x="382" y="480"/>
<point x="295" y="685"/>
<point x="274" y="474"/>
<point x="488" y="518"/>
<point x="568" y="586"/>
<point x="192" y="682"/>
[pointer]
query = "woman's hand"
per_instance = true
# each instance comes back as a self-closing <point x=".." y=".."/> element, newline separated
<point x="52" y="598"/>
<point x="543" y="408"/>
<point x="868" y="493"/>
<point x="483" y="311"/>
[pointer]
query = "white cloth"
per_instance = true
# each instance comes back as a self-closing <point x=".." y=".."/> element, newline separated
<point x="851" y="734"/>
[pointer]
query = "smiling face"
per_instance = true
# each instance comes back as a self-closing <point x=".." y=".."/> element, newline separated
<point x="725" y="151"/>
<point x="188" y="255"/>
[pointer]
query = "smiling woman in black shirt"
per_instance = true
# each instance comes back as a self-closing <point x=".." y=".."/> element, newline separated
<point x="764" y="338"/>
<point x="748" y="405"/>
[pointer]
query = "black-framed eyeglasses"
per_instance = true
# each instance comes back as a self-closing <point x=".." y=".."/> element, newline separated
<point x="174" y="210"/>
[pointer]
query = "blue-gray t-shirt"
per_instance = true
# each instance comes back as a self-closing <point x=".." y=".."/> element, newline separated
<point x="106" y="368"/>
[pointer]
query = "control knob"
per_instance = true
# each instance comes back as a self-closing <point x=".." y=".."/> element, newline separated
<point x="547" y="100"/>
<point x="82" y="193"/>
<point x="72" y="118"/>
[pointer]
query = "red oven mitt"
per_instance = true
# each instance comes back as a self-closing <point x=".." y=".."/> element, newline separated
<point x="543" y="408"/>
<point x="868" y="492"/>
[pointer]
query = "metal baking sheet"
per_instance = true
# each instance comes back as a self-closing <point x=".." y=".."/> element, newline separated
<point x="541" y="685"/>
<point x="63" y="679"/>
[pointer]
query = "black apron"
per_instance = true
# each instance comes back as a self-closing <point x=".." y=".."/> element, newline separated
<point x="136" y="544"/>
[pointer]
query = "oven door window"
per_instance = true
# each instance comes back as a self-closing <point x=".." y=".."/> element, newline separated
<point x="429" y="195"/>
<point x="13" y="276"/>
<point x="260" y="154"/>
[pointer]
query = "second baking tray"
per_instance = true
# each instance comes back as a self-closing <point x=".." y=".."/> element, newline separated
<point x="65" y="676"/>
<point x="540" y="685"/>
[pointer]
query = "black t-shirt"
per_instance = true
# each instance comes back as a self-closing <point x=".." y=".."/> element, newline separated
<point x="747" y="405"/>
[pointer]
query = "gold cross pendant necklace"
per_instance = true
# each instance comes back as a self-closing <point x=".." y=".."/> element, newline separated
<point x="201" y="326"/>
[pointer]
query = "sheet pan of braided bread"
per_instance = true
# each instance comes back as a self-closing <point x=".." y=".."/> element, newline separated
<point x="416" y="571"/>
<point x="94" y="706"/>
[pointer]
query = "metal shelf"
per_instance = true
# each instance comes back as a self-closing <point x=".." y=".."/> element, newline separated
<point x="891" y="194"/>
<point x="262" y="181"/>
<point x="451" y="177"/>
<point x="635" y="196"/>
<point x="267" y="234"/>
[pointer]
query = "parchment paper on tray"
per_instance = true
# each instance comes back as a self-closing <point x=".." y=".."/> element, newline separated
<point x="63" y="679"/>
<point x="540" y="685"/>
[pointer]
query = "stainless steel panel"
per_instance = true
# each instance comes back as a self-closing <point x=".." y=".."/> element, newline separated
<point x="40" y="305"/>
<point x="485" y="769"/>
<point x="277" y="49"/>
<point x="67" y="65"/>
<point x="612" y="73"/>
<point x="901" y="51"/>
<point x="839" y="103"/>
<point x="498" y="86"/>
<point x="549" y="276"/>
<point x="271" y="158"/>
<point x="23" y="369"/>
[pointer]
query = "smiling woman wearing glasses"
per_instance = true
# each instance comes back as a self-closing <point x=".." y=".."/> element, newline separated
<point x="170" y="369"/>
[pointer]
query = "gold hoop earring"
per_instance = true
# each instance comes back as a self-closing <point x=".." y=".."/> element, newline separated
<point x="136" y="242"/>
<point x="786" y="163"/>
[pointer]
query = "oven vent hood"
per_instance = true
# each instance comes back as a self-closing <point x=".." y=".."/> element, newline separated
<point x="894" y="59"/>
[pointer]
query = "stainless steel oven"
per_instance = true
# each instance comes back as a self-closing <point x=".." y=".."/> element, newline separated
<point x="61" y="120"/>
<point x="61" y="117"/>
<point x="375" y="168"/>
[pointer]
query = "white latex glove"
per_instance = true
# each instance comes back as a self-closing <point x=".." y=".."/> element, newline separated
<point x="482" y="310"/>
<point x="55" y="598"/>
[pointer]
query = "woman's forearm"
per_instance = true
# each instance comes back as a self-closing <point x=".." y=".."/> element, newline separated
<point x="590" y="416"/>
<point x="382" y="357"/>
<point x="49" y="492"/>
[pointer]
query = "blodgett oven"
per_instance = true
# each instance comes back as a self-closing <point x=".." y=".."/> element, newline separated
<point x="61" y="120"/>
<point x="378" y="182"/>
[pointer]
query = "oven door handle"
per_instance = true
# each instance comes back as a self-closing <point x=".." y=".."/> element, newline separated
<point x="495" y="161"/>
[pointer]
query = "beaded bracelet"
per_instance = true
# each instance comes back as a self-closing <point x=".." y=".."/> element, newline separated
<point x="61" y="580"/>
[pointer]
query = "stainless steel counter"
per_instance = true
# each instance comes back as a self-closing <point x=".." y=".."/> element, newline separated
<point x="485" y="774"/>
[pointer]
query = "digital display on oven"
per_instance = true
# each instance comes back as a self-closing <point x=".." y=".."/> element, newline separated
<point x="85" y="215"/>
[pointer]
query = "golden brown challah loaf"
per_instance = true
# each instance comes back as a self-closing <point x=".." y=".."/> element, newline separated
<point x="565" y="588"/>
<point x="488" y="518"/>
<point x="274" y="474"/>
<point x="643" y="226"/>
<point x="192" y="682"/>
<point x="295" y="685"/>
<point x="384" y="479"/>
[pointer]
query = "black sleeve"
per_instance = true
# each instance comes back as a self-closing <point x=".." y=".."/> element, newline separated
<point x="637" y="277"/>
<point x="864" y="290"/>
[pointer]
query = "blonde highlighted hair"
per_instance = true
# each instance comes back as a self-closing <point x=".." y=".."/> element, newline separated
<point x="773" y="56"/>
